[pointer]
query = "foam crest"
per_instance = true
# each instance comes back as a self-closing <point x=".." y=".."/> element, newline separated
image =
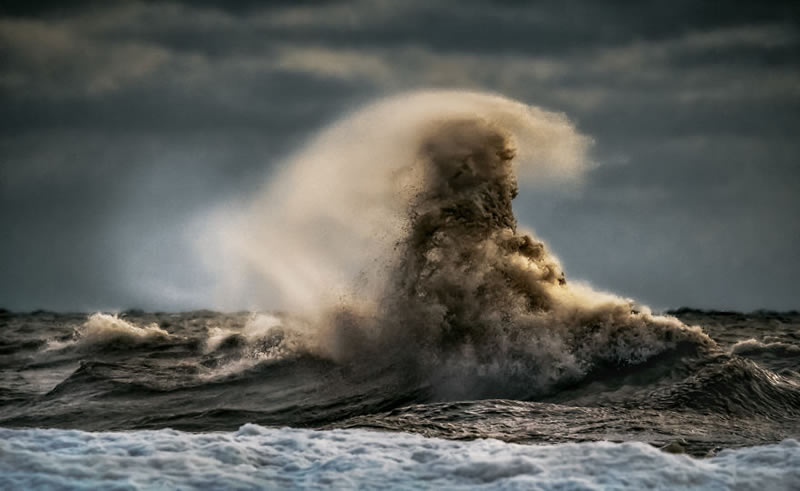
<point x="753" y="346"/>
<point x="107" y="327"/>
<point x="264" y="338"/>
<point x="102" y="328"/>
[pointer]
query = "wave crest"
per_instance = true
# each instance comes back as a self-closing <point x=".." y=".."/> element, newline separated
<point x="109" y="330"/>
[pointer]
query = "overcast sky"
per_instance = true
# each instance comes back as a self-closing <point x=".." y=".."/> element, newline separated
<point x="123" y="122"/>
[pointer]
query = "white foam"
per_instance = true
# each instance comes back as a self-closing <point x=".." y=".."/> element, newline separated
<point x="753" y="346"/>
<point x="105" y="327"/>
<point x="217" y="335"/>
<point x="258" y="326"/>
<point x="257" y="458"/>
<point x="102" y="328"/>
<point x="255" y="333"/>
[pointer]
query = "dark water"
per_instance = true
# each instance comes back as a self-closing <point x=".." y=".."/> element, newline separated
<point x="205" y="371"/>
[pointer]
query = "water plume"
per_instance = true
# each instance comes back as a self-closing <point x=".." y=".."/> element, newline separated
<point x="335" y="207"/>
<point x="394" y="232"/>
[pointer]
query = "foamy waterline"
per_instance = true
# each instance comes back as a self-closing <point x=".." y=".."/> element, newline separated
<point x="255" y="457"/>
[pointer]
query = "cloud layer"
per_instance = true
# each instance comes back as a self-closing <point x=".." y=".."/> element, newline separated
<point x="124" y="124"/>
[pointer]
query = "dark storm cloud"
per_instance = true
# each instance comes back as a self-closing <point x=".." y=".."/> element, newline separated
<point x="171" y="109"/>
<point x="123" y="122"/>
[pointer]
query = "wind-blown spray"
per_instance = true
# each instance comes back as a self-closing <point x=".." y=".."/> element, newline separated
<point x="403" y="210"/>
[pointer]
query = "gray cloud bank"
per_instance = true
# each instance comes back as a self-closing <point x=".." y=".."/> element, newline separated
<point x="124" y="123"/>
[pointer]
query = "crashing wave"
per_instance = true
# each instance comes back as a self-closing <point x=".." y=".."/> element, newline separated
<point x="110" y="329"/>
<point x="755" y="347"/>
<point x="472" y="300"/>
<point x="417" y="207"/>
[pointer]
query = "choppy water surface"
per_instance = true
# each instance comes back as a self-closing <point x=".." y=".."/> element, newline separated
<point x="204" y="371"/>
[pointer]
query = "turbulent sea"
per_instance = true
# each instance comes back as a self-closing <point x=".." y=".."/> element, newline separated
<point x="201" y="399"/>
<point x="429" y="341"/>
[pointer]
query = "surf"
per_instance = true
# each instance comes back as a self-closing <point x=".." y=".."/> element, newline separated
<point x="393" y="234"/>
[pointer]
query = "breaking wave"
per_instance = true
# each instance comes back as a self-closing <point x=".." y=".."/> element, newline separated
<point x="393" y="234"/>
<point x="109" y="330"/>
<point x="753" y="346"/>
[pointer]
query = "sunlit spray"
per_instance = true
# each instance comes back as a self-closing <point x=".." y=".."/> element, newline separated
<point x="392" y="233"/>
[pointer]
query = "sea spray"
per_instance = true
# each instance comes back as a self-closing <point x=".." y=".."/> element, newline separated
<point x="327" y="217"/>
<point x="394" y="233"/>
<point x="478" y="307"/>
